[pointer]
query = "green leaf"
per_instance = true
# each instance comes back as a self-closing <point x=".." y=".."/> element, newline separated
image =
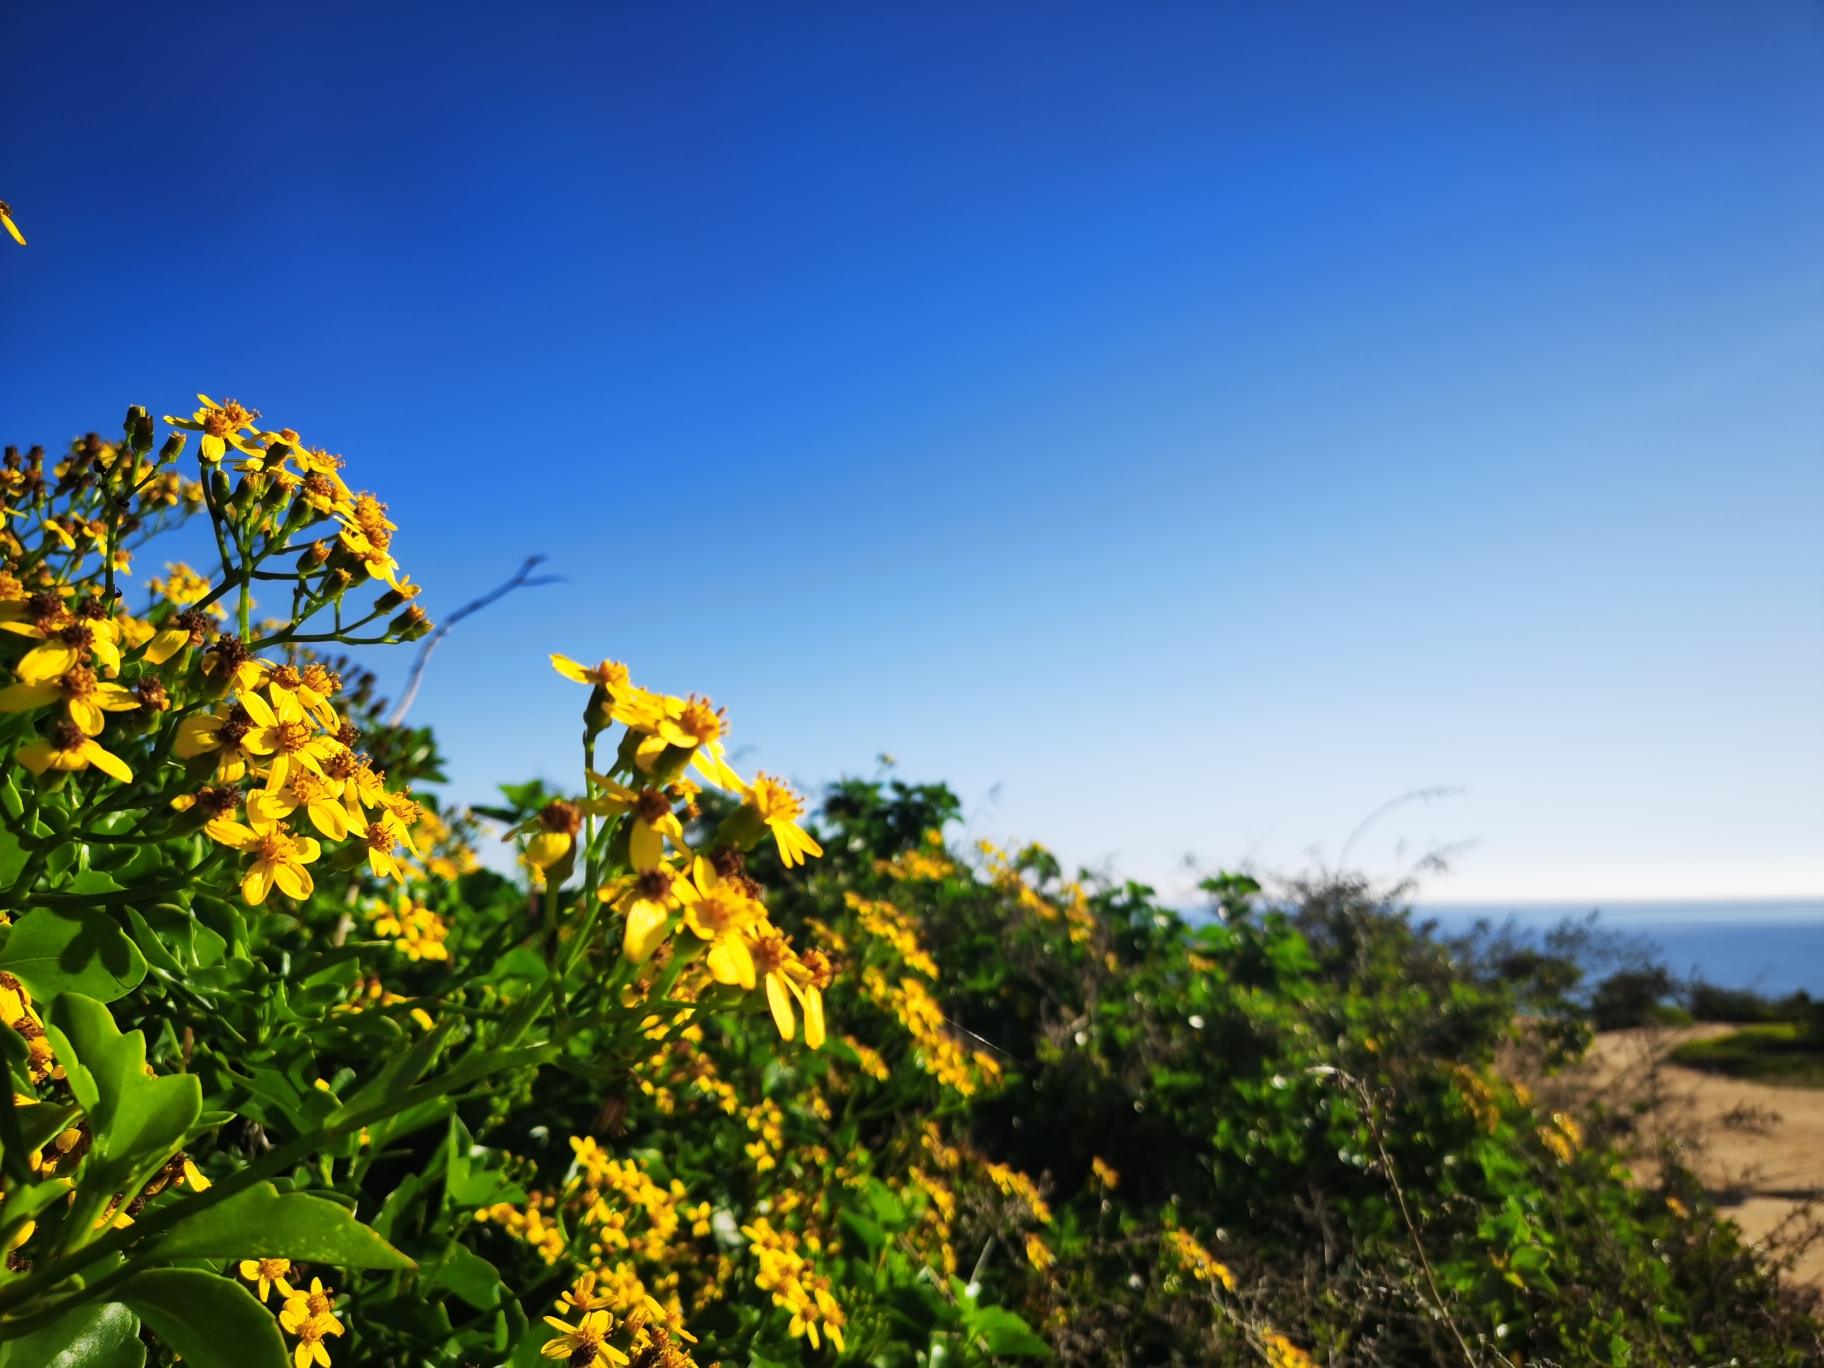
<point x="97" y="1335"/>
<point x="150" y="945"/>
<point x="92" y="881"/>
<point x="1004" y="1334"/>
<point x="134" y="1118"/>
<point x="262" y="1223"/>
<point x="213" y="1322"/>
<point x="467" y="1274"/>
<point x="12" y="856"/>
<point x="73" y="950"/>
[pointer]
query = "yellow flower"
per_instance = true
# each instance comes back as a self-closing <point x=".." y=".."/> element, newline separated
<point x="383" y="838"/>
<point x="69" y="748"/>
<point x="291" y="741"/>
<point x="310" y="1331"/>
<point x="1198" y="1261"/>
<point x="646" y="901"/>
<point x="420" y="933"/>
<point x="582" y="1297"/>
<point x="221" y="426"/>
<point x="219" y="807"/>
<point x="610" y="674"/>
<point x="76" y="642"/>
<point x="695" y="725"/>
<point x="1039" y="1254"/>
<point x="557" y="824"/>
<point x="363" y="786"/>
<point x="228" y="732"/>
<point x="84" y="697"/>
<point x="267" y="1273"/>
<point x="318" y="1304"/>
<point x="186" y="629"/>
<point x="230" y="657"/>
<point x="584" y="1345"/>
<point x="279" y="857"/>
<point x="316" y="793"/>
<point x="780" y="808"/>
<point x="1105" y="1176"/>
<point x="787" y="976"/>
<point x="653" y="821"/>
<point x="6" y="222"/>
<point x="181" y="586"/>
<point x="311" y="688"/>
<point x="719" y="910"/>
<point x="367" y="534"/>
<point x="1282" y="1353"/>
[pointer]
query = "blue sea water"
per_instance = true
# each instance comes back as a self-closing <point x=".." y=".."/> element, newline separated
<point x="1773" y="947"/>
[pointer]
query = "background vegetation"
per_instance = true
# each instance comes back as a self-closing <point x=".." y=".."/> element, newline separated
<point x="411" y="1111"/>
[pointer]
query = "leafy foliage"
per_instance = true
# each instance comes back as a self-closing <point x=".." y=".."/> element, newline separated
<point x="297" y="1080"/>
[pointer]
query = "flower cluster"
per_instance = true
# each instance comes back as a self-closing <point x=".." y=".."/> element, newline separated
<point x="795" y="1285"/>
<point x="646" y="872"/>
<point x="418" y="932"/>
<point x="630" y="1233"/>
<point x="1194" y="1259"/>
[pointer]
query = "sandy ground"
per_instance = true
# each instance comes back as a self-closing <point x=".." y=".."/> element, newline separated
<point x="1759" y="1149"/>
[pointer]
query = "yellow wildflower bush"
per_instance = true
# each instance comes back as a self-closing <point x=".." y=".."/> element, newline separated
<point x="249" y="968"/>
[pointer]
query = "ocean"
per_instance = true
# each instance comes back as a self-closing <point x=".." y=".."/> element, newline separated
<point x="1772" y="947"/>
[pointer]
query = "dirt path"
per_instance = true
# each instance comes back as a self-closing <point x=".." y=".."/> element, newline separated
<point x="1760" y="1149"/>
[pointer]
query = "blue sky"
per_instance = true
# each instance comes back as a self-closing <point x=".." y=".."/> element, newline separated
<point x="1183" y="428"/>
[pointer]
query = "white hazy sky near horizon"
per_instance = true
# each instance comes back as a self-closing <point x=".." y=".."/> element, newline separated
<point x="1182" y="431"/>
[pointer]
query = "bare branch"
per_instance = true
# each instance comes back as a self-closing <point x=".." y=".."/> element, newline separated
<point x="522" y="578"/>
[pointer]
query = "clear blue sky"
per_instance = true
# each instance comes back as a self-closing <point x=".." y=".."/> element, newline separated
<point x="1183" y="428"/>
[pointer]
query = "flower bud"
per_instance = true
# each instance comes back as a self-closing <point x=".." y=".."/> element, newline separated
<point x="139" y="429"/>
<point x="173" y="447"/>
<point x="313" y="557"/>
<point x="409" y="625"/>
<point x="392" y="598"/>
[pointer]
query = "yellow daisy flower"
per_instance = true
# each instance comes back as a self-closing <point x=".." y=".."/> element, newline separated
<point x="584" y="1345"/>
<point x="279" y="857"/>
<point x="268" y="1273"/>
<point x="779" y="808"/>
<point x="68" y="747"/>
<point x="221" y="426"/>
<point x="86" y="698"/>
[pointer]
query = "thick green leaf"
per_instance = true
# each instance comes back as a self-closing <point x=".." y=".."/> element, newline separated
<point x="213" y="1322"/>
<point x="97" y="1335"/>
<point x="134" y="1118"/>
<point x="1004" y="1334"/>
<point x="467" y="1274"/>
<point x="12" y="855"/>
<point x="92" y="881"/>
<point x="150" y="945"/>
<point x="72" y="950"/>
<point x="262" y="1223"/>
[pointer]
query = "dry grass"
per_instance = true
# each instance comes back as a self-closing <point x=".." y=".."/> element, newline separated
<point x="1758" y="1149"/>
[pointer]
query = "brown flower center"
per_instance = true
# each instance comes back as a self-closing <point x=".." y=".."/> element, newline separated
<point x="561" y="817"/>
<point x="291" y="737"/>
